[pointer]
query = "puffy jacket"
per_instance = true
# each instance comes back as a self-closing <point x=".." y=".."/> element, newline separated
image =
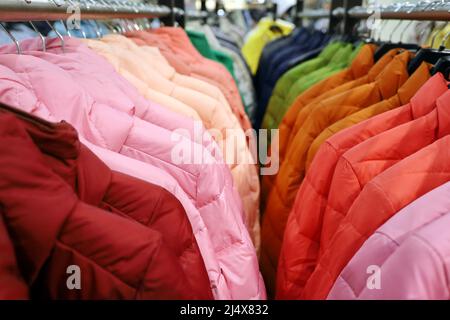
<point x="313" y="96"/>
<point x="275" y="112"/>
<point x="175" y="45"/>
<point x="155" y="60"/>
<point x="129" y="136"/>
<point x="365" y="161"/>
<point x="328" y="88"/>
<point x="395" y="69"/>
<point x="201" y="43"/>
<point x="242" y="74"/>
<point x="284" y="84"/>
<point x="301" y="240"/>
<point x="12" y="92"/>
<point x="410" y="250"/>
<point x="340" y="60"/>
<point x="404" y="94"/>
<point x="43" y="165"/>
<point x="380" y="199"/>
<point x="214" y="115"/>
<point x="292" y="171"/>
<point x="160" y="63"/>
<point x="149" y="83"/>
<point x="256" y="39"/>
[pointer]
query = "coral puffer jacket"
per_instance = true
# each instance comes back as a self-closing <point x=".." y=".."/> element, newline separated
<point x="409" y="253"/>
<point x="371" y="157"/>
<point x="292" y="171"/>
<point x="380" y="199"/>
<point x="47" y="171"/>
<point x="301" y="241"/>
<point x="110" y="129"/>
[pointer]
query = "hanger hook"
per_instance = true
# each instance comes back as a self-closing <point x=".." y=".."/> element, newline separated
<point x="395" y="29"/>
<point x="402" y="34"/>
<point x="19" y="51"/>
<point x="44" y="48"/>
<point x="66" y="28"/>
<point x="444" y="39"/>
<point x="435" y="35"/>
<point x="97" y="29"/>
<point x="383" y="24"/>
<point x="57" y="34"/>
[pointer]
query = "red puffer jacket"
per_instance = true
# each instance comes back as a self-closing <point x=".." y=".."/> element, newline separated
<point x="144" y="250"/>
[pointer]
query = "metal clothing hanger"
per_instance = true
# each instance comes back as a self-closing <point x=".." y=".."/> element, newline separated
<point x="44" y="48"/>
<point x="429" y="55"/>
<point x="443" y="64"/>
<point x="61" y="38"/>
<point x="97" y="29"/>
<point x="407" y="46"/>
<point x="19" y="50"/>
<point x="386" y="47"/>
<point x="65" y="28"/>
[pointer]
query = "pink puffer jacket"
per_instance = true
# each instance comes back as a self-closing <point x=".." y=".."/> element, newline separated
<point x="406" y="258"/>
<point x="216" y="116"/>
<point x="176" y="47"/>
<point x="154" y="57"/>
<point x="114" y="130"/>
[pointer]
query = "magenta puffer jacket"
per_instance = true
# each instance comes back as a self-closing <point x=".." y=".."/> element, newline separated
<point x="406" y="258"/>
<point x="208" y="185"/>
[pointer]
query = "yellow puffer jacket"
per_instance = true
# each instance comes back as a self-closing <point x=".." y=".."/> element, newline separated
<point x="265" y="31"/>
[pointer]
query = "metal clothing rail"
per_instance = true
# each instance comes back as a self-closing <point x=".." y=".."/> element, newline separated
<point x="314" y="14"/>
<point x="52" y="10"/>
<point x="338" y="14"/>
<point x="431" y="11"/>
<point x="196" y="15"/>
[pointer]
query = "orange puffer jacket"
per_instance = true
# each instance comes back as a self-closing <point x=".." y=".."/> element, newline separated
<point x="362" y="71"/>
<point x="292" y="171"/>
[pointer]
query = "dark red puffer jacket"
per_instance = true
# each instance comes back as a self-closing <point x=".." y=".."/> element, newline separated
<point x="144" y="250"/>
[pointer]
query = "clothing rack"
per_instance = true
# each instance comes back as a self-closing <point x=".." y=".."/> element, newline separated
<point x="314" y="14"/>
<point x="196" y="15"/>
<point x="259" y="5"/>
<point x="52" y="10"/>
<point x="337" y="14"/>
<point x="434" y="11"/>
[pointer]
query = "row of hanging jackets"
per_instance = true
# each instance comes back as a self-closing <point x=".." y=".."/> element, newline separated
<point x="364" y="171"/>
<point x="91" y="130"/>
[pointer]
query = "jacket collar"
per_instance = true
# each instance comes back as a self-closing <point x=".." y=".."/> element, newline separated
<point x="33" y="221"/>
<point x="363" y="62"/>
<point x="71" y="160"/>
<point x="393" y="75"/>
<point x="443" y="114"/>
<point x="413" y="84"/>
<point x="381" y="64"/>
<point x="424" y="100"/>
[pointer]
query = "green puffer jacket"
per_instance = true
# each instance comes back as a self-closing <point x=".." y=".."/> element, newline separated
<point x="277" y="103"/>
